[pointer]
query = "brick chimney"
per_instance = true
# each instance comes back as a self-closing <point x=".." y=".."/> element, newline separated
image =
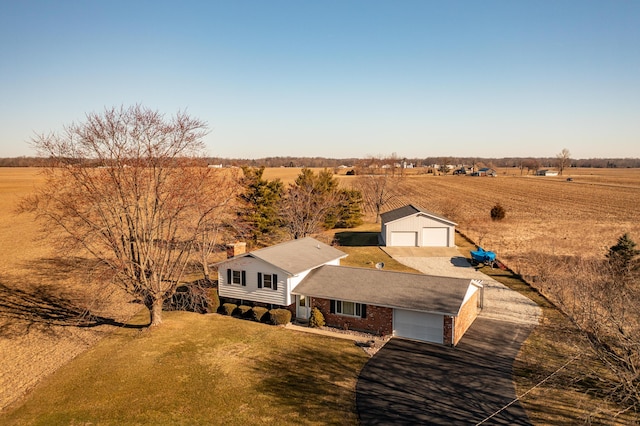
<point x="236" y="249"/>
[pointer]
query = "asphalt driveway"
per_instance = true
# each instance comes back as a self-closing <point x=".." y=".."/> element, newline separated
<point x="409" y="382"/>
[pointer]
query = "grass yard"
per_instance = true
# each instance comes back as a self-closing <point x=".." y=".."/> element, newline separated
<point x="201" y="369"/>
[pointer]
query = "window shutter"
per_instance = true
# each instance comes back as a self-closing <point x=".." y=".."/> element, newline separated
<point x="274" y="282"/>
<point x="332" y="306"/>
<point x="363" y="311"/>
<point x="244" y="278"/>
<point x="259" y="279"/>
<point x="228" y="276"/>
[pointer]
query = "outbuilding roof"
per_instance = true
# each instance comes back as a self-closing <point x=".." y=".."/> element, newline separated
<point x="404" y="290"/>
<point x="296" y="256"/>
<point x="410" y="210"/>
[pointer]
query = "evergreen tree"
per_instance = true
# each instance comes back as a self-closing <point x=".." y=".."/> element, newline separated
<point x="349" y="212"/>
<point x="622" y="255"/>
<point x="261" y="200"/>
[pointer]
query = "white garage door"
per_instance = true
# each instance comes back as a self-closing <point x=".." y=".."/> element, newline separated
<point x="418" y="325"/>
<point x="404" y="239"/>
<point x="435" y="237"/>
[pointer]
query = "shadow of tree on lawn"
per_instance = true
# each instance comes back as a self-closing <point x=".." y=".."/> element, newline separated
<point x="357" y="239"/>
<point x="51" y="294"/>
<point x="46" y="307"/>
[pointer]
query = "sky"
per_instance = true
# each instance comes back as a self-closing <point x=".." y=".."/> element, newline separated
<point x="334" y="78"/>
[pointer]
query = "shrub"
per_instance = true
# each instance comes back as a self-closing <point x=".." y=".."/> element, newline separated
<point x="193" y="297"/>
<point x="498" y="212"/>
<point x="242" y="311"/>
<point x="316" y="320"/>
<point x="258" y="313"/>
<point x="228" y="308"/>
<point x="279" y="316"/>
<point x="213" y="300"/>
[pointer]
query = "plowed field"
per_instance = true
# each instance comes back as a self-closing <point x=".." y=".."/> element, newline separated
<point x="548" y="215"/>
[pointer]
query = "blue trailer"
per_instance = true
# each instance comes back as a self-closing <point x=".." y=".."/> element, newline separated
<point x="483" y="256"/>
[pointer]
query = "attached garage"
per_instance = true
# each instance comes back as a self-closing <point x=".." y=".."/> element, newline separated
<point x="404" y="239"/>
<point x="420" y="307"/>
<point x="412" y="226"/>
<point x="415" y="325"/>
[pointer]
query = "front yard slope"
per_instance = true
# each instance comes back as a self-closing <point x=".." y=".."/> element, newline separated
<point x="201" y="369"/>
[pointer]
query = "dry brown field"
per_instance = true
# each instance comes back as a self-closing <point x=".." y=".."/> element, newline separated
<point x="41" y="297"/>
<point x="547" y="215"/>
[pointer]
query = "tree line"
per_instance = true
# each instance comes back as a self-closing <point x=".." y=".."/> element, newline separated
<point x="530" y="163"/>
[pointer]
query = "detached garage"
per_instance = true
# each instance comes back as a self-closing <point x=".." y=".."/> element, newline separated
<point x="412" y="226"/>
<point x="413" y="306"/>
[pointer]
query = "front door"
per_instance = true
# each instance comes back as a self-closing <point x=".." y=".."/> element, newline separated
<point x="302" y="307"/>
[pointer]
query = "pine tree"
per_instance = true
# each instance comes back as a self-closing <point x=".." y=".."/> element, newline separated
<point x="261" y="200"/>
<point x="622" y="255"/>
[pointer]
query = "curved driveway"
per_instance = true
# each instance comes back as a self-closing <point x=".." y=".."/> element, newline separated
<point x="409" y="382"/>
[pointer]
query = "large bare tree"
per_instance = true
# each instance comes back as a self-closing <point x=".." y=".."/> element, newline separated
<point x="127" y="186"/>
<point x="377" y="190"/>
<point x="309" y="201"/>
<point x="563" y="160"/>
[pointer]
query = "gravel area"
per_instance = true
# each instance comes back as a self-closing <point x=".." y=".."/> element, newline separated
<point x="500" y="302"/>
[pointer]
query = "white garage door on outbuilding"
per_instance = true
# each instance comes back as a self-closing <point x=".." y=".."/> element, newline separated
<point x="415" y="325"/>
<point x="435" y="237"/>
<point x="412" y="226"/>
<point x="404" y="239"/>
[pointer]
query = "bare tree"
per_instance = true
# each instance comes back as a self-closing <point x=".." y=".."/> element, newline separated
<point x="563" y="159"/>
<point x="377" y="190"/>
<point x="214" y="211"/>
<point x="309" y="201"/>
<point x="126" y="186"/>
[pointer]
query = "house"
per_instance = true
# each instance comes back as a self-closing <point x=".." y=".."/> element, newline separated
<point x="413" y="226"/>
<point x="414" y="306"/>
<point x="486" y="171"/>
<point x="301" y="274"/>
<point x="268" y="275"/>
<point x="546" y="173"/>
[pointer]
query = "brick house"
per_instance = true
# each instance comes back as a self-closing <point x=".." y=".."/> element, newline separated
<point x="415" y="306"/>
<point x="302" y="274"/>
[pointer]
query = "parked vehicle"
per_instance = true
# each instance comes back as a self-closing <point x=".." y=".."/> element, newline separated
<point x="482" y="256"/>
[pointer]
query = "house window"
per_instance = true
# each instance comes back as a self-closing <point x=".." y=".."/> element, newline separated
<point x="351" y="309"/>
<point x="268" y="281"/>
<point x="236" y="277"/>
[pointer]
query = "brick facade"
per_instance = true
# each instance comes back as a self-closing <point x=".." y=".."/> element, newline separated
<point x="467" y="315"/>
<point x="378" y="319"/>
<point x="448" y="328"/>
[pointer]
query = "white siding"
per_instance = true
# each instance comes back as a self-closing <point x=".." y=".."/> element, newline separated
<point x="470" y="292"/>
<point x="417" y="223"/>
<point x="286" y="283"/>
<point x="251" y="291"/>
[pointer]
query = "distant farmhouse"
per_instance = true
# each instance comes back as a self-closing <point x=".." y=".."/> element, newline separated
<point x="546" y="172"/>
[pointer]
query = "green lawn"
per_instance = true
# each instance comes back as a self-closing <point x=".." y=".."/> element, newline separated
<point x="201" y="369"/>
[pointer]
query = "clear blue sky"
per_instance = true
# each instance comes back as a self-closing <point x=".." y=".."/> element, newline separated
<point x="341" y="78"/>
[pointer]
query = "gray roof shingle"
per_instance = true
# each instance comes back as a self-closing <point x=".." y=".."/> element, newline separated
<point x="297" y="256"/>
<point x="386" y="288"/>
<point x="410" y="210"/>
